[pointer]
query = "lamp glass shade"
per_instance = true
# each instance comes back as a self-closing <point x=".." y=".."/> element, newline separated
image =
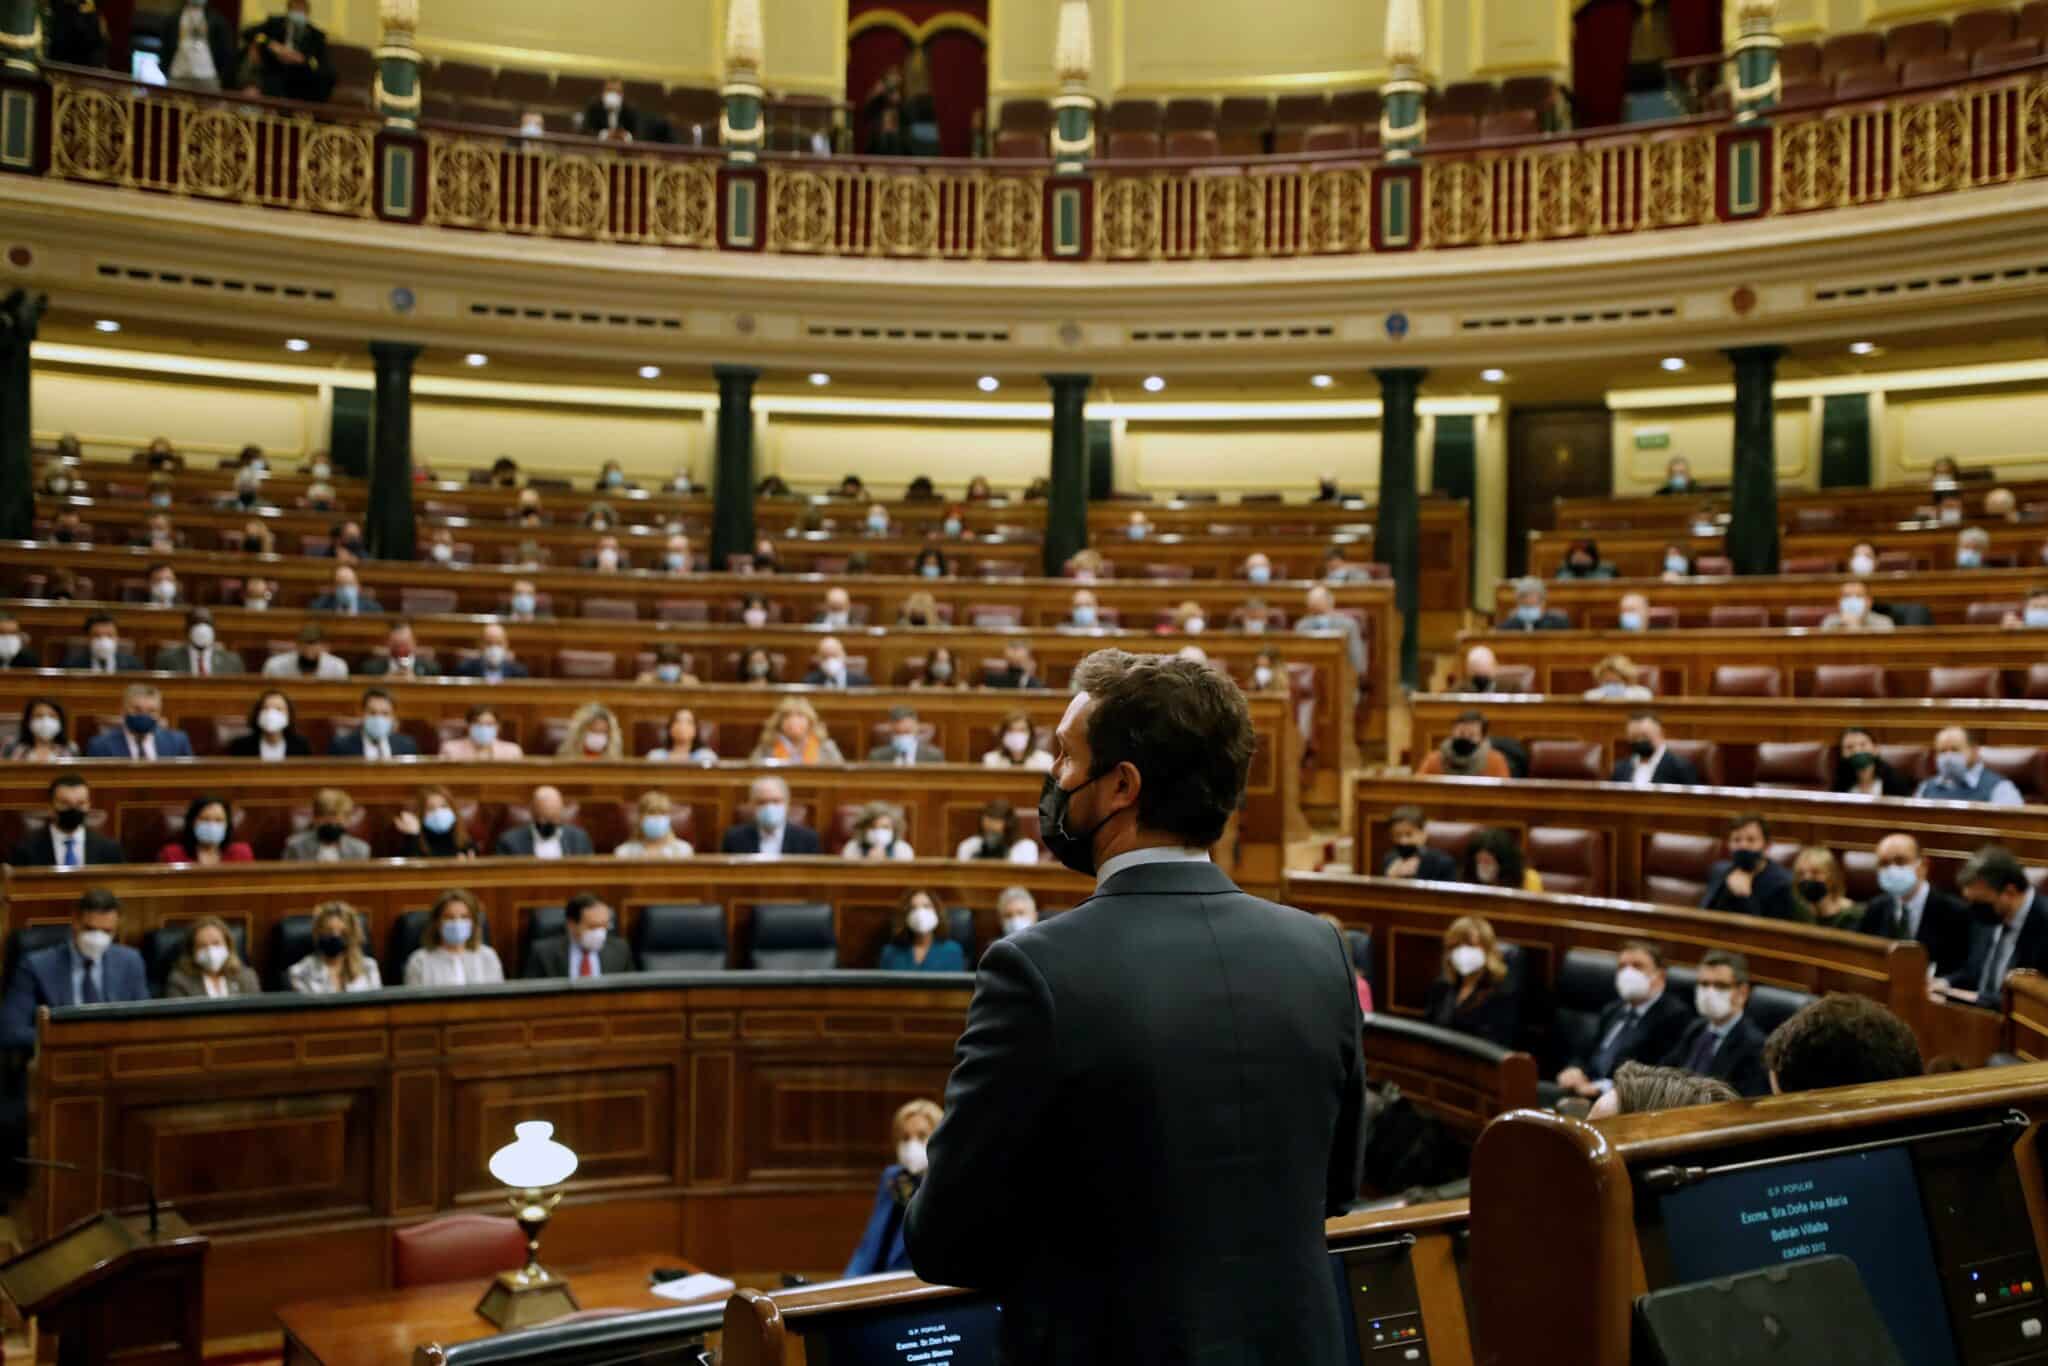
<point x="533" y="1160"/>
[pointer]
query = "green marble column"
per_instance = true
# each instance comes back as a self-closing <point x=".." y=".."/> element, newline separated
<point x="732" y="474"/>
<point x="389" y="526"/>
<point x="20" y="314"/>
<point x="1397" y="529"/>
<point x="1066" y="509"/>
<point x="1753" y="502"/>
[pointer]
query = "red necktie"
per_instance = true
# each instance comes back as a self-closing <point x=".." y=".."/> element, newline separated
<point x="203" y="667"/>
<point x="589" y="967"/>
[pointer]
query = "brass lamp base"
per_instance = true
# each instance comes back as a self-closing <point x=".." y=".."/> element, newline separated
<point x="518" y="1300"/>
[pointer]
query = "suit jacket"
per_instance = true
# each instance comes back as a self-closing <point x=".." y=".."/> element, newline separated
<point x="746" y="839"/>
<point x="1494" y="1014"/>
<point x="78" y="657"/>
<point x="250" y="746"/>
<point x="113" y="744"/>
<point x="474" y="668"/>
<point x="1549" y="621"/>
<point x="366" y="604"/>
<point x="36" y="851"/>
<point x="1193" y="1230"/>
<point x="1431" y="865"/>
<point x="1654" y="1038"/>
<point x="519" y="842"/>
<point x="926" y="754"/>
<point x="2030" y="952"/>
<point x="816" y="679"/>
<point x="350" y="746"/>
<point x="550" y="957"/>
<point x="1672" y="771"/>
<point x="1739" y="1060"/>
<point x="311" y="80"/>
<point x="77" y="34"/>
<point x="881" y="1242"/>
<point x="379" y="666"/>
<point x="640" y="124"/>
<point x="183" y="981"/>
<point x="44" y="979"/>
<point x="1770" y="892"/>
<point x="1944" y="927"/>
<point x="305" y="847"/>
<point x="24" y="658"/>
<point x="179" y="659"/>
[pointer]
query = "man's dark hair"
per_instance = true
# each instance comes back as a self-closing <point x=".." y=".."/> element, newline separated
<point x="97" y="619"/>
<point x="902" y="713"/>
<point x="1729" y="959"/>
<point x="1645" y="946"/>
<point x="1645" y="715"/>
<point x="1477" y="718"/>
<point x="372" y="694"/>
<point x="1841" y="1040"/>
<point x="98" y="899"/>
<point x="1186" y="729"/>
<point x="1995" y="866"/>
<point x="574" y="908"/>
<point x="1407" y="815"/>
<point x="64" y="780"/>
<point x="1747" y="818"/>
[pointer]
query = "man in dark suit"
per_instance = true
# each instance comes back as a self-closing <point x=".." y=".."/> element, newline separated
<point x="589" y="949"/>
<point x="545" y="836"/>
<point x="102" y="652"/>
<point x="1747" y="882"/>
<point x="291" y="55"/>
<point x="1532" y="610"/>
<point x="346" y="596"/>
<point x="1909" y="907"/>
<point x="1191" y="1227"/>
<point x="65" y="842"/>
<point x="905" y="746"/>
<point x="1411" y="856"/>
<point x="1648" y="763"/>
<point x="77" y="34"/>
<point x="401" y="657"/>
<point x="2011" y="928"/>
<point x="1019" y="670"/>
<point x="86" y="969"/>
<point x="1642" y="1024"/>
<point x="830" y="669"/>
<point x="201" y="654"/>
<point x="15" y="651"/>
<point x="770" y="832"/>
<point x="142" y="733"/>
<point x="609" y="116"/>
<point x="1722" y="1043"/>
<point x="378" y="737"/>
<point x="494" y="661"/>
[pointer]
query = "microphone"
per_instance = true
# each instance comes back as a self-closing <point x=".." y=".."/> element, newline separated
<point x="137" y="1177"/>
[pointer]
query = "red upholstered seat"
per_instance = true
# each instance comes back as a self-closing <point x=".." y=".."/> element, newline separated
<point x="1747" y="680"/>
<point x="1866" y="82"/>
<point x="2033" y="21"/>
<point x="1330" y="137"/>
<point x="426" y="601"/>
<point x="1453" y="837"/>
<point x="2011" y="52"/>
<point x="586" y="664"/>
<point x="1912" y="42"/>
<point x="1526" y="92"/>
<point x="456" y="1247"/>
<point x="1132" y="116"/>
<point x="1792" y="763"/>
<point x="1514" y="678"/>
<point x="1805" y="615"/>
<point x="1443" y="129"/>
<point x="1964" y="681"/>
<point x="2026" y="765"/>
<point x="1805" y="94"/>
<point x="1301" y="111"/>
<point x="1193" y="144"/>
<point x="1025" y="116"/>
<point x="1358" y="107"/>
<point x="1799" y="62"/>
<point x="1508" y="123"/>
<point x="1733" y="615"/>
<point x="610" y="609"/>
<point x="1859" y="869"/>
<point x="1579" y="760"/>
<point x="1133" y="145"/>
<point x="1848" y="680"/>
<point x="1898" y="561"/>
<point x="1015" y="145"/>
<point x="1465" y="97"/>
<point x="1976" y="29"/>
<point x="1573" y="862"/>
<point x="1675" y="867"/>
<point x="1187" y="114"/>
<point x="1807" y="564"/>
<point x="1847" y="51"/>
<point x="1705" y="757"/>
<point x="2037" y="682"/>
<point x="1990" y="613"/>
<point x="1943" y="68"/>
<point x="1910" y="761"/>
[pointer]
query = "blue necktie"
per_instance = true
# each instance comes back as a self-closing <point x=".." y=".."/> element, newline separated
<point x="71" y="851"/>
<point x="89" y="989"/>
<point x="1703" y="1054"/>
<point x="1609" y="1056"/>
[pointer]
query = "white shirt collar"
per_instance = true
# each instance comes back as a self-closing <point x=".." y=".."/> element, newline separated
<point x="1916" y="902"/>
<point x="1656" y="758"/>
<point x="1138" y="858"/>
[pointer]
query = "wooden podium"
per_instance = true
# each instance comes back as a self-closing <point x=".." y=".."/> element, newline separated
<point x="113" y="1292"/>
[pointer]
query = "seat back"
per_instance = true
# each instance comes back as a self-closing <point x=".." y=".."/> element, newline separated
<point x="25" y="941"/>
<point x="1573" y="862"/>
<point x="455" y="1247"/>
<point x="793" y="937"/>
<point x="960" y="929"/>
<point x="1585" y="985"/>
<point x="1359" y="945"/>
<point x="1792" y="763"/>
<point x="1519" y="678"/>
<point x="681" y="938"/>
<point x="1965" y="680"/>
<point x="1747" y="680"/>
<point x="1704" y="756"/>
<point x="1735" y="615"/>
<point x="2025" y="765"/>
<point x="1848" y="680"/>
<point x="1675" y="867"/>
<point x="1579" y="760"/>
<point x="544" y="922"/>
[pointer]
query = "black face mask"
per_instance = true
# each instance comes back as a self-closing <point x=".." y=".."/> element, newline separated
<point x="1479" y="683"/>
<point x="1861" y="763"/>
<point x="62" y="536"/>
<point x="309" y="664"/>
<point x="328" y="834"/>
<point x="331" y="945"/>
<point x="1642" y="749"/>
<point x="1075" y="850"/>
<point x="1813" y="890"/>
<point x="545" y="829"/>
<point x="1984" y="912"/>
<point x="1463" y="745"/>
<point x="1749" y="860"/>
<point x="69" y="820"/>
<point x="1403" y="851"/>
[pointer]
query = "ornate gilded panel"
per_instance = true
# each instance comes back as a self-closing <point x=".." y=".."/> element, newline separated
<point x="1012" y="217"/>
<point x="1457" y="198"/>
<point x="1678" y="182"/>
<point x="91" y="139"/>
<point x="682" y="204"/>
<point x="2033" y="147"/>
<point x="462" y="184"/>
<point x="1336" y="211"/>
<point x="800" y="211"/>
<point x="1934" y="146"/>
<point x="335" y="172"/>
<point x="574" y="198"/>
<point x="1127" y="218"/>
<point x="1813" y="161"/>
<point x="906" y="215"/>
<point x="1233" y="215"/>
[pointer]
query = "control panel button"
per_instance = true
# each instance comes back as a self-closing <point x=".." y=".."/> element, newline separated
<point x="2030" y="1329"/>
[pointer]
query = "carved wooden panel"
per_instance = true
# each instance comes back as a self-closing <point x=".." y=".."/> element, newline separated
<point x="415" y="1132"/>
<point x="803" y="1120"/>
<point x="619" y="1120"/>
<point x="711" y="1117"/>
<point x="245" y="1159"/>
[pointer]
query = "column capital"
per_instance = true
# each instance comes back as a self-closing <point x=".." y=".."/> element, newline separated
<point x="1068" y="381"/>
<point x="396" y="353"/>
<point x="744" y="374"/>
<point x="1765" y="354"/>
<point x="1399" y="374"/>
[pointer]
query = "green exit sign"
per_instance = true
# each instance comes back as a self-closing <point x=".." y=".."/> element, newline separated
<point x="1653" y="438"/>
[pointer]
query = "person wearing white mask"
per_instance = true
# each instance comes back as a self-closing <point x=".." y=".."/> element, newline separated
<point x="15" y="651"/>
<point x="41" y="737"/>
<point x="1642" y="1024"/>
<point x="1908" y="906"/>
<point x="877" y="834"/>
<point x="201" y="654"/>
<point x="838" y="613"/>
<point x="881" y="1244"/>
<point x="494" y="661"/>
<point x="1722" y="1043"/>
<point x="1017" y="746"/>
<point x="441" y="550"/>
<point x="609" y="116"/>
<point x="532" y="124"/>
<point x="210" y="966"/>
<point x="1972" y="545"/>
<point x="920" y="943"/>
<point x="1853" y="611"/>
<point x="273" y="734"/>
<point x="2033" y="615"/>
<point x="1475" y="994"/>
<point x="588" y="947"/>
<point x="676" y="557"/>
<point x="593" y="734"/>
<point x="163" y="585"/>
<point x="832" y="670"/>
<point x="197" y="45"/>
<point x="88" y="968"/>
<point x="452" y="952"/>
<point x="1268" y="674"/>
<point x="906" y="744"/>
<point x="1863" y="559"/>
<point x="1189" y="619"/>
<point x="657" y="836"/>
<point x="1961" y="775"/>
<point x="607" y="559"/>
<point x="1017" y="909"/>
<point x="877" y="520"/>
<point x="481" y="739"/>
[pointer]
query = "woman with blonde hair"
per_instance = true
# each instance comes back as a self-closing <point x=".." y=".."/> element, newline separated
<point x="878" y="834"/>
<point x="337" y="962"/>
<point x="919" y="609"/>
<point x="655" y="835"/>
<point x="593" y="734"/>
<point x="1617" y="679"/>
<point x="452" y="952"/>
<point x="1473" y="996"/>
<point x="795" y="735"/>
<point x="209" y="966"/>
<point x="881" y="1245"/>
<point x="1820" y="890"/>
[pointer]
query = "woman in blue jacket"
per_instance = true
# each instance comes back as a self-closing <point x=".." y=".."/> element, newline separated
<point x="920" y="943"/>
<point x="881" y="1246"/>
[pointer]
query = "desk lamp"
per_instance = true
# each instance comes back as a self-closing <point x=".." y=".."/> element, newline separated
<point x="530" y="1164"/>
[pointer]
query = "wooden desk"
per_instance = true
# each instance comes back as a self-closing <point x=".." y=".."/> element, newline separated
<point x="382" y="1329"/>
<point x="1947" y="594"/>
<point x="1796" y="508"/>
<point x="1640" y="554"/>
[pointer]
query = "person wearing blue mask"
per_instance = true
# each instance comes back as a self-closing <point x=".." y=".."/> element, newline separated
<point x="931" y="564"/>
<point x="1139" y="527"/>
<point x="769" y="832"/>
<point x="589" y="945"/>
<point x="1084" y="613"/>
<point x="493" y="661"/>
<point x="142" y="733"/>
<point x="1907" y="906"/>
<point x="1532" y="610"/>
<point x="654" y="816"/>
<point x="346" y="596"/>
<point x="1617" y="679"/>
<point x="1258" y="569"/>
<point x="1633" y="613"/>
<point x="2034" y="615"/>
<point x="524" y="602"/>
<point x="1677" y="477"/>
<point x="433" y="829"/>
<point x="1961" y="776"/>
<point x="1853" y="612"/>
<point x="481" y="740"/>
<point x="905" y="746"/>
<point x="453" y="953"/>
<point x="878" y="834"/>
<point x="1676" y="563"/>
<point x="1973" y="543"/>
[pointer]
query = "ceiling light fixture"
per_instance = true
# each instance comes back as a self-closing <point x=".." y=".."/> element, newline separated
<point x="1321" y="381"/>
<point x="819" y="379"/>
<point x="1862" y="348"/>
<point x="106" y="325"/>
<point x="1493" y="376"/>
<point x="988" y="384"/>
<point x="1154" y="383"/>
<point x="297" y="344"/>
<point x="650" y="372"/>
<point x="1673" y="363"/>
<point x="476" y="360"/>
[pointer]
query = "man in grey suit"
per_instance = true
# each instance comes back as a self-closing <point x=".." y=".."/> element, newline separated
<point x="200" y="655"/>
<point x="905" y="745"/>
<point x="545" y="836"/>
<point x="1196" y="1048"/>
<point x="589" y="949"/>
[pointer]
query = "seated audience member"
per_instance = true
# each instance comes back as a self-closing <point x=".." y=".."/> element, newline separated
<point x="906" y="747"/>
<point x="1640" y="1088"/>
<point x="524" y="603"/>
<point x="1017" y="909"/>
<point x="1862" y="560"/>
<point x="1648" y="763"/>
<point x="881" y="1245"/>
<point x="1722" y="1043"/>
<point x="1960" y="773"/>
<point x="979" y="490"/>
<point x="1944" y="472"/>
<point x="769" y="833"/>
<point x="1908" y="906"/>
<point x="757" y="667"/>
<point x="199" y="655"/>
<point x="675" y="554"/>
<point x="1948" y="507"/>
<point x="15" y="651"/>
<point x="1466" y="753"/>
<point x="1084" y="612"/>
<point x="1138" y="526"/>
<point x="1337" y="569"/>
<point x="257" y="594"/>
<point x="64" y="841"/>
<point x="1019" y="669"/>
<point x="1973" y="543"/>
<point x="441" y="549"/>
<point x="941" y="670"/>
<point x="102" y="652"/>
<point x="830" y="670"/>
<point x="207" y="836"/>
<point x="656" y="833"/>
<point x="1840" y="1040"/>
<point x="1188" y="620"/>
<point x="209" y="966"/>
<point x="1255" y="617"/>
<point x="1472" y="996"/>
<point x="45" y="733"/>
<point x="1643" y="1023"/>
<point x="345" y="540"/>
<point x="793" y="734"/>
<point x="1860" y="769"/>
<point x="1408" y="855"/>
<point x="1677" y="563"/>
<point x="1677" y="477"/>
<point x="1322" y="615"/>
<point x="273" y="731"/>
<point x="1616" y="679"/>
<point x="69" y="529"/>
<point x="481" y="741"/>
<point x="1853" y="612"/>
<point x="545" y="836"/>
<point x="401" y="657"/>
<point x="505" y="475"/>
<point x="1494" y="859"/>
<point x="1820" y="890"/>
<point x="1016" y="746"/>
<point x="1258" y="568"/>
<point x="163" y="586"/>
<point x="328" y="841"/>
<point x="141" y="734"/>
<point x="599" y="517"/>
<point x="684" y="745"/>
<point x="1480" y="668"/>
<point x="88" y="968"/>
<point x="1532" y="610"/>
<point x="2007" y="934"/>
<point x="311" y="658"/>
<point x="432" y="829"/>
<point x="494" y="661"/>
<point x="452" y="952"/>
<point x="1634" y="612"/>
<point x="346" y="596"/>
<point x="1583" y="561"/>
<point x="998" y="838"/>
<point x="837" y="614"/>
<point x="931" y="563"/>
<point x="766" y="560"/>
<point x="2033" y="616"/>
<point x="2000" y="505"/>
<point x="589" y="948"/>
<point x="1269" y="673"/>
<point x="1087" y="566"/>
<point x="1747" y="882"/>
<point x="606" y="557"/>
<point x="920" y="943"/>
<point x="593" y="734"/>
<point x="877" y="834"/>
<point x="919" y="609"/>
<point x="378" y="737"/>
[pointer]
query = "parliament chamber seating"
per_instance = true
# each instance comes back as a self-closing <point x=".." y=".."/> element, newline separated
<point x="456" y="1247"/>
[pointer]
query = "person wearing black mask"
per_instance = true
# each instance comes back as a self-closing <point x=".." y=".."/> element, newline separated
<point x="310" y="659"/>
<point x="1583" y="561"/>
<point x="1859" y="768"/>
<point x="1480" y="667"/>
<point x="2009" y="932"/>
<point x="337" y="963"/>
<point x="328" y="841"/>
<point x="1466" y="754"/>
<point x="65" y="842"/>
<point x="1408" y="855"/>
<point x="1747" y="882"/>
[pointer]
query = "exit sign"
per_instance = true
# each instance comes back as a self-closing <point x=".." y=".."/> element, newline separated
<point x="1653" y="438"/>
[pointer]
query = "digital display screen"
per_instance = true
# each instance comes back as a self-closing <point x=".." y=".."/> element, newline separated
<point x="951" y="1332"/>
<point x="1864" y="1206"/>
<point x="1377" y="1307"/>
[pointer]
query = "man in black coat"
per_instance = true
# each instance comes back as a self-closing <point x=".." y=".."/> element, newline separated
<point x="2011" y="928"/>
<point x="1723" y="1043"/>
<point x="291" y="56"/>
<point x="1648" y="763"/>
<point x="1411" y="856"/>
<point x="1215" y="1116"/>
<point x="1642" y="1024"/>
<point x="1909" y="907"/>
<point x="589" y="949"/>
<point x="770" y="832"/>
<point x="15" y="651"/>
<point x="66" y="842"/>
<point x="610" y="116"/>
<point x="1747" y="882"/>
<point x="77" y="35"/>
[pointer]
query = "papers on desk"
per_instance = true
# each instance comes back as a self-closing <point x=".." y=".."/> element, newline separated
<point x="701" y="1286"/>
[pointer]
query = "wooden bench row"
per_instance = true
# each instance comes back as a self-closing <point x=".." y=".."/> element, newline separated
<point x="1952" y="597"/>
<point x="1640" y="554"/>
<point x="1797" y="508"/>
